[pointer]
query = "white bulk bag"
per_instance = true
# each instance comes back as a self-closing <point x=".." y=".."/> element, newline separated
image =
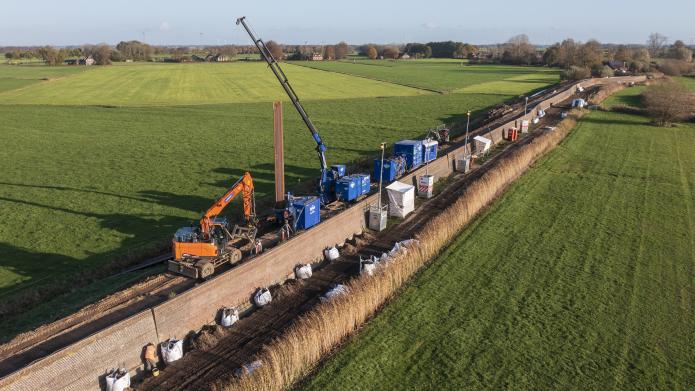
<point x="262" y="297"/>
<point x="172" y="350"/>
<point x="337" y="290"/>
<point x="331" y="254"/>
<point x="302" y="272"/>
<point x="367" y="267"/>
<point x="229" y="316"/>
<point x="117" y="380"/>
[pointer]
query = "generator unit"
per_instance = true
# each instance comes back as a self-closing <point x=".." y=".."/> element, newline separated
<point x="411" y="150"/>
<point x="393" y="168"/>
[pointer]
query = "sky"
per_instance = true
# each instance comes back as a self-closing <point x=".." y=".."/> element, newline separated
<point x="211" y="22"/>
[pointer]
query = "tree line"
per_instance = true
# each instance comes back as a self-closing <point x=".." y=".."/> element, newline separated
<point x="578" y="59"/>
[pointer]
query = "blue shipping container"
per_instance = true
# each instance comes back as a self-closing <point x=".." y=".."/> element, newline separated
<point x="429" y="150"/>
<point x="412" y="150"/>
<point x="307" y="211"/>
<point x="347" y="188"/>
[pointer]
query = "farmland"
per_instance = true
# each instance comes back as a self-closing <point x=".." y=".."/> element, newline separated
<point x="92" y="176"/>
<point x="448" y="76"/>
<point x="189" y="84"/>
<point x="579" y="277"/>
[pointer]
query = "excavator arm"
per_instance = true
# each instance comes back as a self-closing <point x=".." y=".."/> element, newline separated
<point x="244" y="186"/>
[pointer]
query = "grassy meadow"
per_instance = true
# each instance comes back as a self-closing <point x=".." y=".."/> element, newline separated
<point x="447" y="76"/>
<point x="146" y="84"/>
<point x="580" y="277"/>
<point x="101" y="163"/>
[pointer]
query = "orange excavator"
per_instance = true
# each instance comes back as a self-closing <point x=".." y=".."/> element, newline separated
<point x="199" y="250"/>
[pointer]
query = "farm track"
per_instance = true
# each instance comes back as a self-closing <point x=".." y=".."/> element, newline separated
<point x="30" y="346"/>
<point x="202" y="367"/>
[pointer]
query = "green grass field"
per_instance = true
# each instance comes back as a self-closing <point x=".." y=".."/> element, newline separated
<point x="84" y="185"/>
<point x="447" y="76"/>
<point x="580" y="277"/>
<point x="141" y="84"/>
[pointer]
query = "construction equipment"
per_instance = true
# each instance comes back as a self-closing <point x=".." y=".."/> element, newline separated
<point x="499" y="111"/>
<point x="198" y="251"/>
<point x="327" y="178"/>
<point x="440" y="133"/>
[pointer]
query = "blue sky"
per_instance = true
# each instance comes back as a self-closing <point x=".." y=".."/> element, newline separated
<point x="75" y="22"/>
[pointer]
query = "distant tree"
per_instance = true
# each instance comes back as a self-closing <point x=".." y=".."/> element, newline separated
<point x="329" y="53"/>
<point x="390" y="52"/>
<point x="551" y="56"/>
<point x="51" y="55"/>
<point x="641" y="61"/>
<point x="461" y="50"/>
<point x="442" y="49"/>
<point x="623" y="53"/>
<point x="471" y="50"/>
<point x="135" y="50"/>
<point x="418" y="50"/>
<point x="591" y="54"/>
<point x="275" y="50"/>
<point x="518" y="50"/>
<point x="100" y="53"/>
<point x="341" y="50"/>
<point x="656" y="44"/>
<point x="668" y="102"/>
<point x="681" y="52"/>
<point x="372" y="53"/>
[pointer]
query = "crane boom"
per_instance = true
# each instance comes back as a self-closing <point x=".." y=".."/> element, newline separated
<point x="275" y="67"/>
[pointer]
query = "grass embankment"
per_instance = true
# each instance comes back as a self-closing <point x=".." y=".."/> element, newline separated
<point x="448" y="76"/>
<point x="293" y="354"/>
<point x="580" y="277"/>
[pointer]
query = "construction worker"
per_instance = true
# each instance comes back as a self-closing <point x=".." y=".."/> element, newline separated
<point x="151" y="359"/>
<point x="257" y="247"/>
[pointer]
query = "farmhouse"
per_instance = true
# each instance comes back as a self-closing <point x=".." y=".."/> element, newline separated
<point x="405" y="56"/>
<point x="317" y="57"/>
<point x="81" y="61"/>
<point x="218" y="58"/>
<point x="619" y="67"/>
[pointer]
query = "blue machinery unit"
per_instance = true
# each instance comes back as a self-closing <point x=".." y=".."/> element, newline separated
<point x="407" y="156"/>
<point x="329" y="176"/>
<point x="305" y="211"/>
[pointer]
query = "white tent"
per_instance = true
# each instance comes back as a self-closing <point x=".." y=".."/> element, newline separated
<point x="482" y="144"/>
<point x="401" y="199"/>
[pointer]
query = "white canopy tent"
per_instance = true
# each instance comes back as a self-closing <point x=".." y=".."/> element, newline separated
<point x="482" y="144"/>
<point x="401" y="199"/>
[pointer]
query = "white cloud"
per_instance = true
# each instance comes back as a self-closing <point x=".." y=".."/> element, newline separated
<point x="429" y="26"/>
<point x="164" y="26"/>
